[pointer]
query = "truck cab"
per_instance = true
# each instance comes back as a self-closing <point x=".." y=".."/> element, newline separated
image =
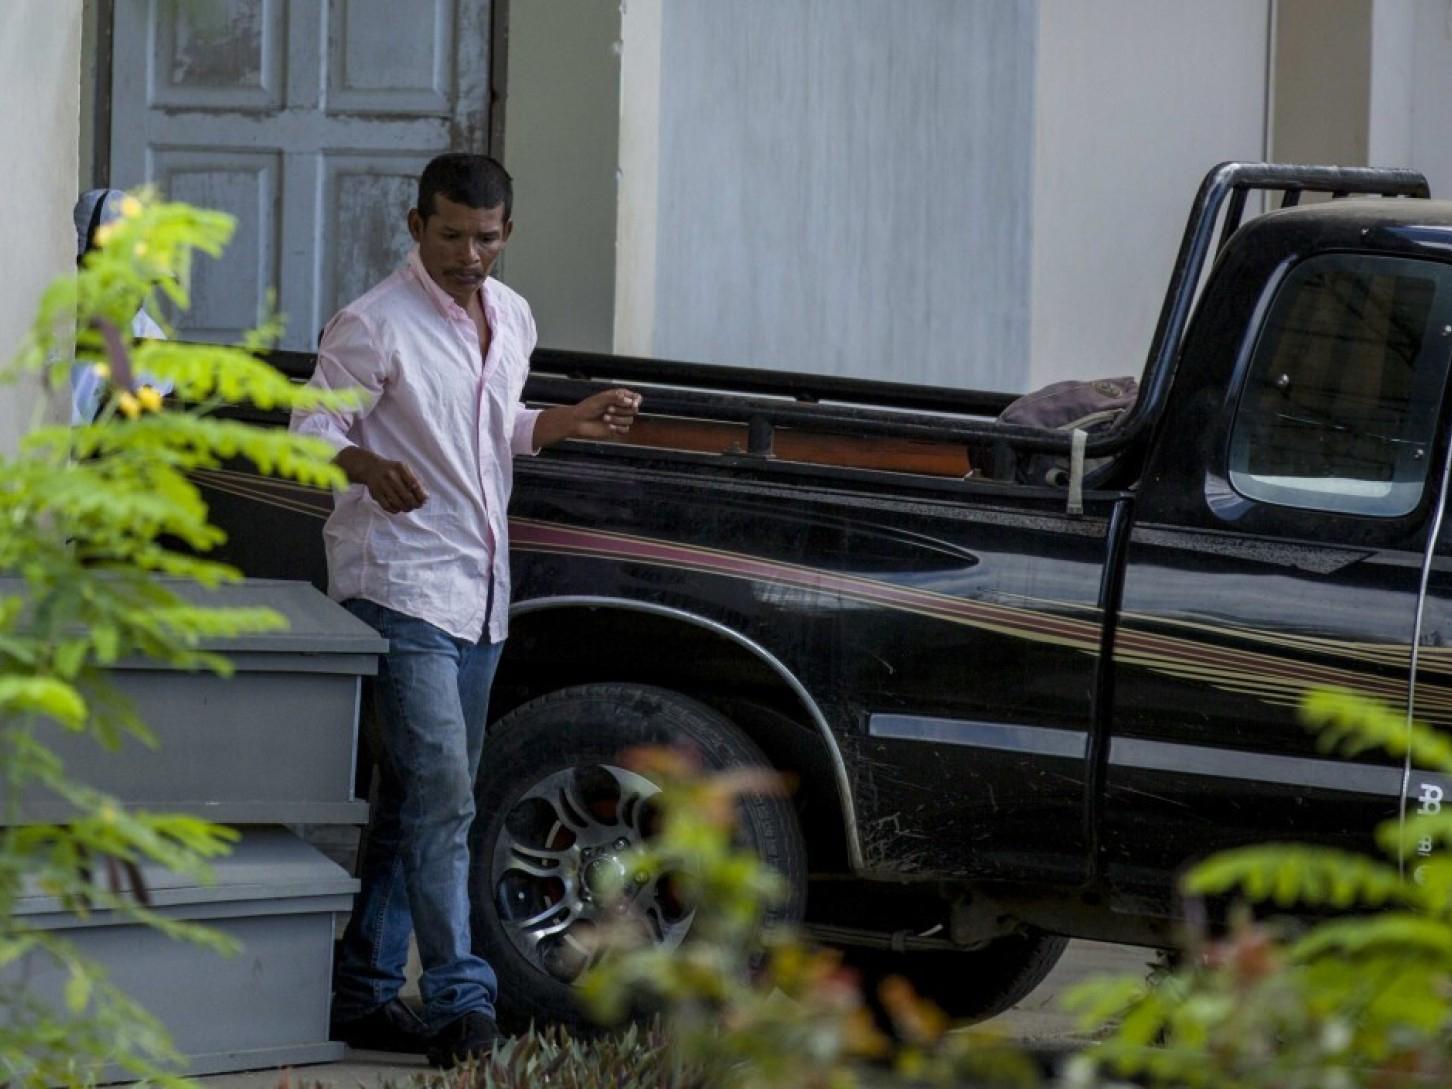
<point x="1287" y="533"/>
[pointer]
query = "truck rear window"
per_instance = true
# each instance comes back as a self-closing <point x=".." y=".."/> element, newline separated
<point x="1342" y="398"/>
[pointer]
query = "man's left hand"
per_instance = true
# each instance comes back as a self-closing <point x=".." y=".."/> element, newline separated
<point x="606" y="415"/>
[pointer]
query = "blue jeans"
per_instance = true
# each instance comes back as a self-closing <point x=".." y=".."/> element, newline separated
<point x="430" y="696"/>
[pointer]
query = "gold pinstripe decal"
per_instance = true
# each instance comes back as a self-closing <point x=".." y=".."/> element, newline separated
<point x="1273" y="677"/>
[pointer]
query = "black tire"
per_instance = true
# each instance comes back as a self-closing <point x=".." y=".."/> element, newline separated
<point x="972" y="985"/>
<point x="553" y="762"/>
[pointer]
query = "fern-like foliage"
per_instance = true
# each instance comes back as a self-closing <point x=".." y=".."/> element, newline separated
<point x="231" y="375"/>
<point x="1390" y="933"/>
<point x="1353" y="1000"/>
<point x="1290" y="874"/>
<point x="1430" y="830"/>
<point x="745" y="1002"/>
<point x="1350" y="724"/>
<point x="103" y="532"/>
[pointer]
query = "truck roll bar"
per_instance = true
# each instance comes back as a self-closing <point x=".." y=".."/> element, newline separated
<point x="1234" y="181"/>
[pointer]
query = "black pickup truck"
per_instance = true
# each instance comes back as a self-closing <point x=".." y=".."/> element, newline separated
<point x="1009" y="720"/>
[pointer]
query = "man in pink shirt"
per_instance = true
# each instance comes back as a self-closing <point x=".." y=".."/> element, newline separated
<point x="418" y="548"/>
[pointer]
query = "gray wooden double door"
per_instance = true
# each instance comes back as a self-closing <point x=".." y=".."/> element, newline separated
<point x="309" y="121"/>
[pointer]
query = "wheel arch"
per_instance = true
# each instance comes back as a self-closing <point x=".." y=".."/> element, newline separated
<point x="560" y="641"/>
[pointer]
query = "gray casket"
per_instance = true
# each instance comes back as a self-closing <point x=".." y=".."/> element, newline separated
<point x="265" y="1006"/>
<point x="274" y="743"/>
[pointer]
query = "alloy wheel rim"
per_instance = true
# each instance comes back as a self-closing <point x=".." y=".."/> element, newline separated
<point x="562" y="869"/>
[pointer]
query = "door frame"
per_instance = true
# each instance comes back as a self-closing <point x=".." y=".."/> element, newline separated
<point x="98" y="22"/>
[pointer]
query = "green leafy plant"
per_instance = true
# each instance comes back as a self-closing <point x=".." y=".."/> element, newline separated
<point x="1358" y="999"/>
<point x="754" y="1006"/>
<point x="101" y="534"/>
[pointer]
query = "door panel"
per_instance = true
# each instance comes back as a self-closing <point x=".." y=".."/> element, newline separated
<point x="309" y="122"/>
<point x="405" y="72"/>
<point x="1212" y="656"/>
<point x="1279" y="549"/>
<point x="361" y="194"/>
<point x="236" y="64"/>
<point x="247" y="185"/>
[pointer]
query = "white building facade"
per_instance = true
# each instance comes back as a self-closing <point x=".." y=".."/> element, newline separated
<point x="953" y="192"/>
<point x="967" y="193"/>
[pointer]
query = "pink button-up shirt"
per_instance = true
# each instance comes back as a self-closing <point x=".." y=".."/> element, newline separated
<point x="454" y="419"/>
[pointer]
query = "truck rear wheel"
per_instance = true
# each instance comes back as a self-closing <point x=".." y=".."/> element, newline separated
<point x="555" y="810"/>
<point x="972" y="985"/>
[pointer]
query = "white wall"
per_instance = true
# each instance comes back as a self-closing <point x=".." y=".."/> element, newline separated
<point x="1397" y="69"/>
<point x="765" y="112"/>
<point x="1136" y="99"/>
<point x="844" y="187"/>
<point x="40" y="57"/>
<point x="1411" y="86"/>
<point x="637" y="212"/>
<point x="732" y="115"/>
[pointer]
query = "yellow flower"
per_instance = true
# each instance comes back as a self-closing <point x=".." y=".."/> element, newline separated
<point x="101" y="370"/>
<point x="139" y="249"/>
<point x="104" y="233"/>
<point x="129" y="406"/>
<point x="150" y="398"/>
<point x="130" y="206"/>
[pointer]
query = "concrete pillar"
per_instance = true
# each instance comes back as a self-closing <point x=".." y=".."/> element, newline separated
<point x="40" y="79"/>
<point x="638" y="211"/>
<point x="1322" y="82"/>
<point x="563" y="125"/>
<point x="1365" y="82"/>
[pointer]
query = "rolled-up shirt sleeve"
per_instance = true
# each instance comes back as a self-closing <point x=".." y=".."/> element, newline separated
<point x="521" y="437"/>
<point x="348" y="358"/>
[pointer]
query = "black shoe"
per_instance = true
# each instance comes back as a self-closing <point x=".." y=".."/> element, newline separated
<point x="391" y="1027"/>
<point x="471" y="1036"/>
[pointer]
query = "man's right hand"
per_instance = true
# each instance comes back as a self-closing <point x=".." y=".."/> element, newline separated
<point x="391" y="483"/>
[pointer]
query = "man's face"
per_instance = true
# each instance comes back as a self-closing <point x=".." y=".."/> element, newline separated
<point x="458" y="245"/>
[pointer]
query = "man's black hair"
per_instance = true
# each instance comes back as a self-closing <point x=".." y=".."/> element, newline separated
<point x="476" y="181"/>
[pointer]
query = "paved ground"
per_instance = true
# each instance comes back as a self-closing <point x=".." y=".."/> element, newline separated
<point x="1037" y="1022"/>
<point x="1038" y="1019"/>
